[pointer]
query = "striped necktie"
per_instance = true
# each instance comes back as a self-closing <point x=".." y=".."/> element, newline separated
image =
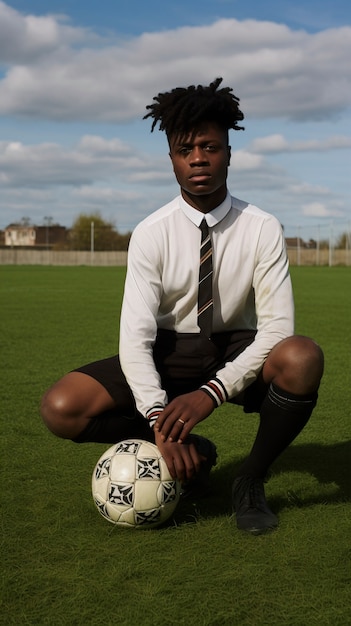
<point x="205" y="301"/>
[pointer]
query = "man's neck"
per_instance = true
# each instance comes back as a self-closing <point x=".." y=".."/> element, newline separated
<point x="205" y="203"/>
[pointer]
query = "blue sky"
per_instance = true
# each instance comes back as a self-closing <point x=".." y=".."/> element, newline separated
<point x="75" y="78"/>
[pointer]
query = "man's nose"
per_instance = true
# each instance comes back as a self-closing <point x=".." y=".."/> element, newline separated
<point x="198" y="155"/>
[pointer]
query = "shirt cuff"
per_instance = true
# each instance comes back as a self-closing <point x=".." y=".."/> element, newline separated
<point x="216" y="390"/>
<point x="152" y="415"/>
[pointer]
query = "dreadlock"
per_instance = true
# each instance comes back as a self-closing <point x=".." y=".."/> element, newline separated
<point x="184" y="108"/>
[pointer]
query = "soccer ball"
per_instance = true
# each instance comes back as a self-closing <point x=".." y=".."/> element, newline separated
<point x="132" y="487"/>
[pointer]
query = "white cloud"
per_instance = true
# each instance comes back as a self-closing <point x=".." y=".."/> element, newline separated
<point x="93" y="158"/>
<point x="94" y="144"/>
<point x="26" y="39"/>
<point x="244" y="160"/>
<point x="275" y="71"/>
<point x="271" y="144"/>
<point x="317" y="209"/>
<point x="275" y="144"/>
<point x="306" y="189"/>
<point x="105" y="195"/>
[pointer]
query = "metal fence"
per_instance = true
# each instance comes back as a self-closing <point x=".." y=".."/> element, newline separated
<point x="315" y="256"/>
<point x="18" y="256"/>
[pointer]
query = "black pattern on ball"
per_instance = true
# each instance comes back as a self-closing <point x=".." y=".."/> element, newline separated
<point x="148" y="469"/>
<point x="121" y="494"/>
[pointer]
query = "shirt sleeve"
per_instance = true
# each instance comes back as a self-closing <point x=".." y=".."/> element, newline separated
<point x="274" y="311"/>
<point x="138" y="325"/>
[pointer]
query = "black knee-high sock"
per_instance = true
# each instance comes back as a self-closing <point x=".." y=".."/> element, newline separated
<point x="109" y="427"/>
<point x="282" y="417"/>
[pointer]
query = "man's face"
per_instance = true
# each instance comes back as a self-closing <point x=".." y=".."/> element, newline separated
<point x="200" y="163"/>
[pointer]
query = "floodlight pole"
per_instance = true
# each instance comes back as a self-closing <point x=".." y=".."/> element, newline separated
<point x="92" y="243"/>
<point x="331" y="245"/>
<point x="47" y="222"/>
<point x="298" y="246"/>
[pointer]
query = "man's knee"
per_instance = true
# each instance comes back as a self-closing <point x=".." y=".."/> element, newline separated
<point x="56" y="411"/>
<point x="67" y="406"/>
<point x="300" y="352"/>
<point x="295" y="363"/>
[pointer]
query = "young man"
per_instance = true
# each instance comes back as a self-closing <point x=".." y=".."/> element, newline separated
<point x="199" y="332"/>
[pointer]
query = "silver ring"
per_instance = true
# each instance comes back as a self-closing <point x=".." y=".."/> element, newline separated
<point x="181" y="421"/>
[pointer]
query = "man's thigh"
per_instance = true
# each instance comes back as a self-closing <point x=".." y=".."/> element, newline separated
<point x="108" y="373"/>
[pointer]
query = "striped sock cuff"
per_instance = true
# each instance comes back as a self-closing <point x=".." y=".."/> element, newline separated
<point x="290" y="401"/>
<point x="216" y="390"/>
<point x="152" y="415"/>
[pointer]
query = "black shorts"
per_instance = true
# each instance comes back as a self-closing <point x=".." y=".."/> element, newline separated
<point x="184" y="362"/>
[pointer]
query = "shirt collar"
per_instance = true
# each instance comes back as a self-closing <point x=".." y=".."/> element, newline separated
<point x="213" y="217"/>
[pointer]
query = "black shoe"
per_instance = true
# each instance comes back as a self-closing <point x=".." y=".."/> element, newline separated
<point x="250" y="506"/>
<point x="200" y="484"/>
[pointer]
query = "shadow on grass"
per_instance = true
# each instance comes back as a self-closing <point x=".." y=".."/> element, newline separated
<point x="329" y="465"/>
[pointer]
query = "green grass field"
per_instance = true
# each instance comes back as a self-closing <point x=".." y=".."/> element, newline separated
<point x="63" y="564"/>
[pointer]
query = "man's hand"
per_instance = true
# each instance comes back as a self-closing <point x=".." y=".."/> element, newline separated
<point x="183" y="460"/>
<point x="180" y="416"/>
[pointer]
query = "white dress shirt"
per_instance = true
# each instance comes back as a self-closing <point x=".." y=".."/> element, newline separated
<point x="251" y="289"/>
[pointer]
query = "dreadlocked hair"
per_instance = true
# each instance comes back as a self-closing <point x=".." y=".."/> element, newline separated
<point x="181" y="110"/>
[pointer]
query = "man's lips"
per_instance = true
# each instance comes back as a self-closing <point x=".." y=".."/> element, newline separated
<point x="199" y="177"/>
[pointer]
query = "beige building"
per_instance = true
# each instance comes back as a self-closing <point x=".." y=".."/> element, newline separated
<point x="27" y="235"/>
<point x="20" y="235"/>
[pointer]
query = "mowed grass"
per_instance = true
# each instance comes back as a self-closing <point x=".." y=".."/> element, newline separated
<point x="64" y="564"/>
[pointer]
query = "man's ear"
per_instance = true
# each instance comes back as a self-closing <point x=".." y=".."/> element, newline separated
<point x="229" y="154"/>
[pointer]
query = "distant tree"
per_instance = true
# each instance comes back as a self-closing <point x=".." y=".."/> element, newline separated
<point x="324" y="244"/>
<point x="122" y="241"/>
<point x="105" y="235"/>
<point x="344" y="241"/>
